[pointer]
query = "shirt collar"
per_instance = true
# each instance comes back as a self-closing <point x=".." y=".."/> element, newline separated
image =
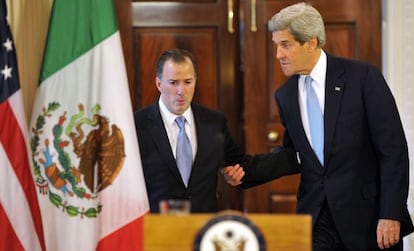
<point x="318" y="73"/>
<point x="169" y="117"/>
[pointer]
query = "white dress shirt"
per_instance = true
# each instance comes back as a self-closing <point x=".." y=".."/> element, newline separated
<point x="172" y="128"/>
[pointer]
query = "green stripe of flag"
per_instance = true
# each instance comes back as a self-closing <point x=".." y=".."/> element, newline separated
<point x="76" y="26"/>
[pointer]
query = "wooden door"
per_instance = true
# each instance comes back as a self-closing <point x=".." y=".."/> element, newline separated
<point x="353" y="30"/>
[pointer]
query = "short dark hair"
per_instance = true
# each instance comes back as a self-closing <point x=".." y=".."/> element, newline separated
<point x="177" y="55"/>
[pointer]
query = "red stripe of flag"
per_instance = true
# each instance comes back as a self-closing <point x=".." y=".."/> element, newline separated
<point x="14" y="145"/>
<point x="128" y="237"/>
<point x="6" y="229"/>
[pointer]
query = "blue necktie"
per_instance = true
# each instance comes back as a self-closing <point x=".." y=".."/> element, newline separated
<point x="315" y="118"/>
<point x="184" y="155"/>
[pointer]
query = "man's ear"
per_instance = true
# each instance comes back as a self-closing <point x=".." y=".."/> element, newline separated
<point x="313" y="43"/>
<point x="158" y="83"/>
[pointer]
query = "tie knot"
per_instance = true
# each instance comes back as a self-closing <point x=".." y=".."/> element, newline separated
<point x="180" y="121"/>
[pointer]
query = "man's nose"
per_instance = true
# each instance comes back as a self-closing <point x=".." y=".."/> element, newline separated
<point x="180" y="88"/>
<point x="279" y="53"/>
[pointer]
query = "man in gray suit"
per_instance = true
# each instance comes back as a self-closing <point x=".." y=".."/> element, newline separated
<point x="212" y="146"/>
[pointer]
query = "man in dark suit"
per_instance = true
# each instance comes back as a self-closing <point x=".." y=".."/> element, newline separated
<point x="212" y="147"/>
<point x="355" y="183"/>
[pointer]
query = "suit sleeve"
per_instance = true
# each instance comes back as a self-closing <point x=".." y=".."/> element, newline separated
<point x="266" y="167"/>
<point x="389" y="141"/>
<point x="263" y="168"/>
<point x="259" y="168"/>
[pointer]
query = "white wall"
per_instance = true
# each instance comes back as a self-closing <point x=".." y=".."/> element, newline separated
<point x="398" y="68"/>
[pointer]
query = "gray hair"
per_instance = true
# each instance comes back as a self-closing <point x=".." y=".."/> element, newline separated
<point x="302" y="20"/>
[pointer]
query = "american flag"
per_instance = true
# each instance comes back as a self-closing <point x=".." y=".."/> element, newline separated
<point x="20" y="222"/>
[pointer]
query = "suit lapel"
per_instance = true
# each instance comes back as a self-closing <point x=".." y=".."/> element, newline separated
<point x="333" y="96"/>
<point x="204" y="137"/>
<point x="159" y="135"/>
<point x="208" y="140"/>
<point x="200" y="132"/>
<point x="293" y="104"/>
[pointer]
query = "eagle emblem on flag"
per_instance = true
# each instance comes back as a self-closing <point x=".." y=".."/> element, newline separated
<point x="81" y="157"/>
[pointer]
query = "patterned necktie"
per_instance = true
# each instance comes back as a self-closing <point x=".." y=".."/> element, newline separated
<point x="184" y="155"/>
<point x="315" y="118"/>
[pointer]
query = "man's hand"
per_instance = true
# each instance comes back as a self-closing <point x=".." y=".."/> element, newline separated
<point x="388" y="233"/>
<point x="233" y="174"/>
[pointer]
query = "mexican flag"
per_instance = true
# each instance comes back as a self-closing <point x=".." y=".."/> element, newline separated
<point x="83" y="142"/>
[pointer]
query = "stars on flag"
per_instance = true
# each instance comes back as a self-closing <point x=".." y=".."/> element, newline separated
<point x="6" y="72"/>
<point x="9" y="73"/>
<point x="8" y="44"/>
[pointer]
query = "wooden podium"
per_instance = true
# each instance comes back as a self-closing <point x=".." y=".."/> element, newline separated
<point x="284" y="232"/>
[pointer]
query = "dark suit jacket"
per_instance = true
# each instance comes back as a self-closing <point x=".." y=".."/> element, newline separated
<point x="215" y="149"/>
<point x="365" y="174"/>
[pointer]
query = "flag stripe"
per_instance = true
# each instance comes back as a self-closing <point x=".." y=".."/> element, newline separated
<point x="14" y="146"/>
<point x="6" y="229"/>
<point x="16" y="207"/>
<point x="84" y="26"/>
<point x="129" y="237"/>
